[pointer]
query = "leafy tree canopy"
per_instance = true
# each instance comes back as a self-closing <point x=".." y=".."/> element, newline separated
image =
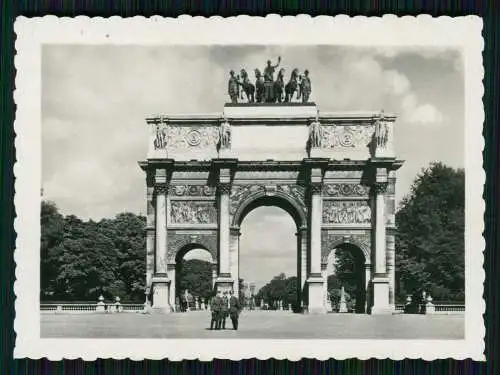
<point x="430" y="235"/>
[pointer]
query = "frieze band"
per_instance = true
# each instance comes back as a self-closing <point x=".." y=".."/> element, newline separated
<point x="193" y="190"/>
<point x="193" y="212"/>
<point x="346" y="212"/>
<point x="346" y="190"/>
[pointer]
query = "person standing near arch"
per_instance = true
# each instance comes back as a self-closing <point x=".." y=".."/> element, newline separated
<point x="224" y="310"/>
<point x="234" y="310"/>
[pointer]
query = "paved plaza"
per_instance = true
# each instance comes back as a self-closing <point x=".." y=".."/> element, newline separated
<point x="253" y="325"/>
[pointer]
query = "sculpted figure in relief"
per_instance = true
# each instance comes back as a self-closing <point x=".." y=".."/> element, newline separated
<point x="381" y="131"/>
<point x="161" y="138"/>
<point x="316" y="133"/>
<point x="225" y="135"/>
<point x="340" y="212"/>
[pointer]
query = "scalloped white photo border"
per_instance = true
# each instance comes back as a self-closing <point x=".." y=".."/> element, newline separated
<point x="389" y="30"/>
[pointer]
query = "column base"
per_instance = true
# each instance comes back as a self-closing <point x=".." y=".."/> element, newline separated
<point x="315" y="288"/>
<point x="161" y="295"/>
<point x="381" y="296"/>
<point x="224" y="283"/>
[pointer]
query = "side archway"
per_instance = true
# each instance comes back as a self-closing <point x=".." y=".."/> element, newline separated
<point x="191" y="280"/>
<point x="350" y="271"/>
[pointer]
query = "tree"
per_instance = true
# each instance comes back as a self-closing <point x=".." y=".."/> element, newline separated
<point x="430" y="235"/>
<point x="81" y="260"/>
<point x="52" y="231"/>
<point x="280" y="288"/>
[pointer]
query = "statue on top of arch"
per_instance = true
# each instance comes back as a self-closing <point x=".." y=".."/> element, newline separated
<point x="268" y="90"/>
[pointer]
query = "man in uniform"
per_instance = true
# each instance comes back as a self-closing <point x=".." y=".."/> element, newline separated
<point x="224" y="310"/>
<point x="234" y="310"/>
<point x="216" y="307"/>
<point x="213" y="312"/>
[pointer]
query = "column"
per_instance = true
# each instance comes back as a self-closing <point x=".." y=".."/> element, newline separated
<point x="367" y="287"/>
<point x="224" y="280"/>
<point x="172" y="291"/>
<point x="234" y="242"/>
<point x="324" y="274"/>
<point x="160" y="282"/>
<point x="380" y="280"/>
<point x="150" y="234"/>
<point x="391" y="267"/>
<point x="161" y="230"/>
<point x="316" y="300"/>
<point x="301" y="265"/>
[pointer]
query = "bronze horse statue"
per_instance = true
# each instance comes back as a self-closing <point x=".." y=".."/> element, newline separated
<point x="279" y="86"/>
<point x="259" y="87"/>
<point x="292" y="86"/>
<point x="247" y="86"/>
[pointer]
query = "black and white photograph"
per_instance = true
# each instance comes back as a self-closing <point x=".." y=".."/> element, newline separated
<point x="317" y="198"/>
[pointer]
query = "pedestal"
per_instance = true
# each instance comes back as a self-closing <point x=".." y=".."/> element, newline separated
<point x="224" y="283"/>
<point x="316" y="298"/>
<point x="381" y="296"/>
<point x="161" y="302"/>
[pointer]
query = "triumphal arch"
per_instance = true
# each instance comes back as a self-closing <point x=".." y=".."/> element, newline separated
<point x="334" y="173"/>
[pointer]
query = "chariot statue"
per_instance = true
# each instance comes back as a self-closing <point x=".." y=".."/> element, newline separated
<point x="268" y="90"/>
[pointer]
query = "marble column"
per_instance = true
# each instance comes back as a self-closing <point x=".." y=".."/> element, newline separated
<point x="380" y="280"/>
<point x="171" y="277"/>
<point x="316" y="300"/>
<point x="324" y="274"/>
<point x="160" y="281"/>
<point x="234" y="243"/>
<point x="161" y="230"/>
<point x="224" y="279"/>
<point x="391" y="266"/>
<point x="301" y="264"/>
<point x="368" y="275"/>
<point x="215" y="266"/>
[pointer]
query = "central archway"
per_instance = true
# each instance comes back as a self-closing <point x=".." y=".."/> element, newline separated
<point x="195" y="272"/>
<point x="292" y="208"/>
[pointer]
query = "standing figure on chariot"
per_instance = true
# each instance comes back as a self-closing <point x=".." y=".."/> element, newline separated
<point x="269" y="80"/>
<point x="233" y="87"/>
<point x="305" y="86"/>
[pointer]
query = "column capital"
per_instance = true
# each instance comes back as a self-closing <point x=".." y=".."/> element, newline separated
<point x="316" y="187"/>
<point x="161" y="188"/>
<point x="224" y="188"/>
<point x="380" y="187"/>
<point x="235" y="230"/>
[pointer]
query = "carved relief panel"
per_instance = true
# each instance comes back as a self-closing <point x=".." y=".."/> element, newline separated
<point x="350" y="136"/>
<point x="193" y="212"/>
<point x="346" y="212"/>
<point x="168" y="136"/>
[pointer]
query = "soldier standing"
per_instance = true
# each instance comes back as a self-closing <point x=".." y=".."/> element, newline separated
<point x="216" y="310"/>
<point x="234" y="310"/>
<point x="224" y="310"/>
<point x="213" y="311"/>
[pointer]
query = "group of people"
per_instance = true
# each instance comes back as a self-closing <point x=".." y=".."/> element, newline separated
<point x="223" y="306"/>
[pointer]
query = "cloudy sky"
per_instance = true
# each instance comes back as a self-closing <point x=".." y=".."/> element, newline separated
<point x="95" y="99"/>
